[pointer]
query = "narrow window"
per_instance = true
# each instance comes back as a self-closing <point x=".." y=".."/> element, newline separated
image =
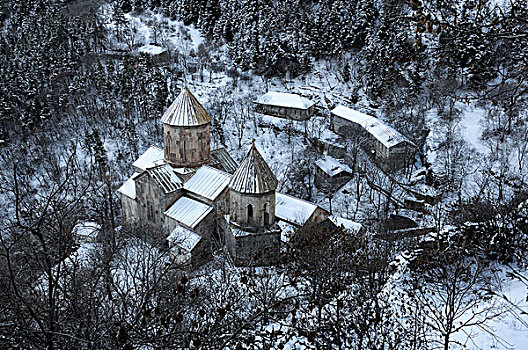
<point x="250" y="213"/>
<point x="150" y="211"/>
<point x="169" y="141"/>
<point x="184" y="156"/>
<point x="266" y="214"/>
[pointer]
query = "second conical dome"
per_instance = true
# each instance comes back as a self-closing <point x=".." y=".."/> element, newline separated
<point x="186" y="111"/>
<point x="253" y="175"/>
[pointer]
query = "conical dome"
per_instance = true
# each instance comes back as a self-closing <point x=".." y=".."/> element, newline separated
<point x="253" y="175"/>
<point x="186" y="111"/>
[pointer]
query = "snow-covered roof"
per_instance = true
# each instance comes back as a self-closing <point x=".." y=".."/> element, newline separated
<point x="208" y="182"/>
<point x="188" y="212"/>
<point x="184" y="238"/>
<point x="350" y="225"/>
<point x="282" y="99"/>
<point x="186" y="111"/>
<point x="164" y="177"/>
<point x="183" y="171"/>
<point x="152" y="50"/>
<point x="382" y="132"/>
<point x="220" y="157"/>
<point x="129" y="187"/>
<point x="332" y="166"/>
<point x="87" y="229"/>
<point x="293" y="210"/>
<point x="253" y="175"/>
<point x="153" y="156"/>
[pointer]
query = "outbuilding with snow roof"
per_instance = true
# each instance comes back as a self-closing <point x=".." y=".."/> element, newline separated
<point x="331" y="174"/>
<point x="390" y="148"/>
<point x="285" y="105"/>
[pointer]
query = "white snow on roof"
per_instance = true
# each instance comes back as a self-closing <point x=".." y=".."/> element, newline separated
<point x="282" y="99"/>
<point x="332" y="166"/>
<point x="152" y="50"/>
<point x="86" y="229"/>
<point x="129" y="187"/>
<point x="152" y="157"/>
<point x="188" y="211"/>
<point x="208" y="182"/>
<point x="382" y="132"/>
<point x="165" y="177"/>
<point x="293" y="210"/>
<point x="350" y="225"/>
<point x="184" y="238"/>
<point x="183" y="171"/>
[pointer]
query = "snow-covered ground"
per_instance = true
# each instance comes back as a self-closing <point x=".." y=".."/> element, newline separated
<point x="283" y="152"/>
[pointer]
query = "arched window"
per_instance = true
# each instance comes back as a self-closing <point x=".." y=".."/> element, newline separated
<point x="169" y="141"/>
<point x="250" y="213"/>
<point x="266" y="214"/>
<point x="184" y="155"/>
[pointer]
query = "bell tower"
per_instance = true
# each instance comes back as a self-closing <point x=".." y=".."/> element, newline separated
<point x="186" y="137"/>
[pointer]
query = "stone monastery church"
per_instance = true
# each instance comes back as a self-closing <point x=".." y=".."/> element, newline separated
<point x="189" y="191"/>
<point x="196" y="196"/>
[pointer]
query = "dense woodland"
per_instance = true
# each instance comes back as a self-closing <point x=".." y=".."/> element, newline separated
<point x="77" y="106"/>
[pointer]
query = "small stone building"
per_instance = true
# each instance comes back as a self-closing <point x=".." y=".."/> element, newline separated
<point x="331" y="174"/>
<point x="285" y="105"/>
<point x="390" y="149"/>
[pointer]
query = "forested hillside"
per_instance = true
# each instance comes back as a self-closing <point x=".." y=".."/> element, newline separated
<point x="80" y="100"/>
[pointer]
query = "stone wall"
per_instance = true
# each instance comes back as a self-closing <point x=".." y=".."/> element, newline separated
<point x="186" y="146"/>
<point x="152" y="201"/>
<point x="128" y="209"/>
<point x="243" y="204"/>
<point x="254" y="248"/>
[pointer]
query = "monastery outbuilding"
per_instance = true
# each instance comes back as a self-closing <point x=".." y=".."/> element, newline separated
<point x="390" y="149"/>
<point x="285" y="105"/>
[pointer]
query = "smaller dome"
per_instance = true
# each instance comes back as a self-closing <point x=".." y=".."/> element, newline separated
<point x="186" y="111"/>
<point x="253" y="176"/>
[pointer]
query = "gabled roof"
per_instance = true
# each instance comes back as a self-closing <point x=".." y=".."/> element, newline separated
<point x="165" y="177"/>
<point x="282" y="99"/>
<point x="188" y="212"/>
<point x="221" y="159"/>
<point x="208" y="182"/>
<point x="332" y="166"/>
<point x="253" y="175"/>
<point x="382" y="132"/>
<point x="184" y="238"/>
<point x="153" y="156"/>
<point x="129" y="187"/>
<point x="186" y="111"/>
<point x="293" y="210"/>
<point x="351" y="226"/>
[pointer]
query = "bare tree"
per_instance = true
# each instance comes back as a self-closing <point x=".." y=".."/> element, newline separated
<point x="453" y="287"/>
